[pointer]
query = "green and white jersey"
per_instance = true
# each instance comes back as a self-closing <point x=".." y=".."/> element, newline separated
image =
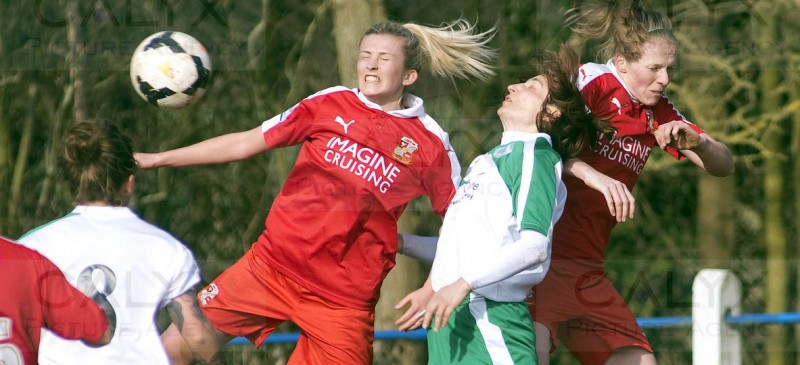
<point x="115" y="257"/>
<point x="516" y="186"/>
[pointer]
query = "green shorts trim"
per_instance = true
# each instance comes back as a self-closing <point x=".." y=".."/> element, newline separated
<point x="482" y="331"/>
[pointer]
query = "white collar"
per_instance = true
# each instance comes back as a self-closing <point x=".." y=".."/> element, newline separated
<point x="104" y="211"/>
<point x="416" y="108"/>
<point x="515" y="136"/>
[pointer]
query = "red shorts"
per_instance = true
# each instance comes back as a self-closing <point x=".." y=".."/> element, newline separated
<point x="250" y="299"/>
<point x="587" y="314"/>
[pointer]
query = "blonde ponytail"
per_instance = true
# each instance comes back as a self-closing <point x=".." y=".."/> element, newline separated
<point x="453" y="50"/>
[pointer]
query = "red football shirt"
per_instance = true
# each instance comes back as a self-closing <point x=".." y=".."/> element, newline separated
<point x="36" y="295"/>
<point x="584" y="229"/>
<point x="333" y="226"/>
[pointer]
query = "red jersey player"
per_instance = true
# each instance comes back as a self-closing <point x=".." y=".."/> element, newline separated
<point x="577" y="303"/>
<point x="36" y="295"/>
<point x="331" y="234"/>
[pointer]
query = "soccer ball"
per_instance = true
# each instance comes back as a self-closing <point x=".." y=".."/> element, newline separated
<point x="170" y="69"/>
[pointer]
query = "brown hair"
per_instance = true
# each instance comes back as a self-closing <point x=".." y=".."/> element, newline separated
<point x="626" y="23"/>
<point x="453" y="50"/>
<point x="576" y="127"/>
<point x="97" y="161"/>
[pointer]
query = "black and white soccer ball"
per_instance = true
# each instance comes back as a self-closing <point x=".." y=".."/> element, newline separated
<point x="170" y="69"/>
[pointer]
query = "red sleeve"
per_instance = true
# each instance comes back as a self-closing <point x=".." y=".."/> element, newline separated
<point x="597" y="87"/>
<point x="290" y="127"/>
<point x="65" y="310"/>
<point x="596" y="98"/>
<point x="666" y="112"/>
<point x="439" y="184"/>
<point x="295" y="124"/>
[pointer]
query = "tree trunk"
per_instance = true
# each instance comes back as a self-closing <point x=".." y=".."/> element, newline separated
<point x="5" y="159"/>
<point x="795" y="150"/>
<point x="52" y="150"/>
<point x="408" y="275"/>
<point x="5" y="142"/>
<point x="794" y="94"/>
<point x="74" y="93"/>
<point x="75" y="41"/>
<point x="24" y="149"/>
<point x="715" y="219"/>
<point x="774" y="189"/>
<point x="256" y="44"/>
<point x="351" y="18"/>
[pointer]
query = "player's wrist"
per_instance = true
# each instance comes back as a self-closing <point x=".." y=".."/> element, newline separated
<point x="468" y="283"/>
<point x="702" y="144"/>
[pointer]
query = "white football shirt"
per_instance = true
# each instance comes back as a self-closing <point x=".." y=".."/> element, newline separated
<point x="515" y="186"/>
<point x="137" y="268"/>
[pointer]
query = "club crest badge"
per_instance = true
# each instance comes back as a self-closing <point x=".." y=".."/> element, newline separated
<point x="206" y="295"/>
<point x="405" y="148"/>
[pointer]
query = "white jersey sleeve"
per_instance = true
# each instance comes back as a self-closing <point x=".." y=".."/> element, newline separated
<point x="185" y="278"/>
<point x="531" y="250"/>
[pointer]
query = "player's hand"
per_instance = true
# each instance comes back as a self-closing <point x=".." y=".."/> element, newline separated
<point x="621" y="203"/>
<point x="443" y="303"/>
<point x="417" y="300"/>
<point x="144" y="161"/>
<point x="678" y="135"/>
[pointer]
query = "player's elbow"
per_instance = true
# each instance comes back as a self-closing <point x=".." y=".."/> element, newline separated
<point x="716" y="158"/>
<point x="722" y="170"/>
<point x="538" y="245"/>
<point x="539" y="256"/>
<point x="720" y="167"/>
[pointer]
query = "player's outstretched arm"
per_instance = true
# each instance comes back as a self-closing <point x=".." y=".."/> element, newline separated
<point x="190" y="336"/>
<point x="621" y="203"/>
<point x="422" y="248"/>
<point x="712" y="156"/>
<point x="221" y="149"/>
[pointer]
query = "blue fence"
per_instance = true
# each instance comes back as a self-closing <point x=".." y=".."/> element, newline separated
<point x="417" y="335"/>
<point x="658" y="322"/>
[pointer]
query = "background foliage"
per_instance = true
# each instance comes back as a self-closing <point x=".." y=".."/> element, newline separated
<point x="65" y="60"/>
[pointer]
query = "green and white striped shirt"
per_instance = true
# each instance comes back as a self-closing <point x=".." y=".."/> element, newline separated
<point x="514" y="187"/>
